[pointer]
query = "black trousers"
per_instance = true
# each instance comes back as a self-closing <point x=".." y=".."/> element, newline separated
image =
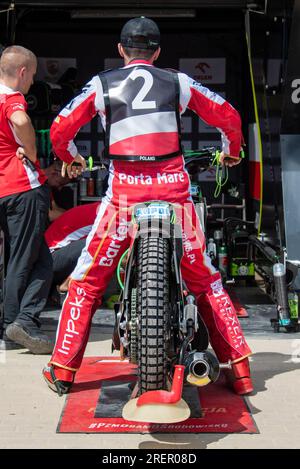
<point x="23" y="219"/>
<point x="65" y="260"/>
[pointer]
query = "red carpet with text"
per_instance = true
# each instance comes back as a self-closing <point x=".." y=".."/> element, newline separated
<point x="104" y="385"/>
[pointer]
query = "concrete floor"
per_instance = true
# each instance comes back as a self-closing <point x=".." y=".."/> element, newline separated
<point x="29" y="411"/>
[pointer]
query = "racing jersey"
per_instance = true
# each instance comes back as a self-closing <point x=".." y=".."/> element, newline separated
<point x="152" y="130"/>
<point x="15" y="177"/>
<point x="142" y="113"/>
<point x="72" y="225"/>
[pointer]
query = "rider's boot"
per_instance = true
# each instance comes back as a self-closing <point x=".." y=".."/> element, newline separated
<point x="58" y="379"/>
<point x="239" y="377"/>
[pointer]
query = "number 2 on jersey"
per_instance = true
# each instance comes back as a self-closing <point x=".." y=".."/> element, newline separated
<point x="138" y="102"/>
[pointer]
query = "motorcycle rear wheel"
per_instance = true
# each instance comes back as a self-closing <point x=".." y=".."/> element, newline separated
<point x="153" y="286"/>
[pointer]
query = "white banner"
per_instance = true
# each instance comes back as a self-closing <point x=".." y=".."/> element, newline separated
<point x="204" y="70"/>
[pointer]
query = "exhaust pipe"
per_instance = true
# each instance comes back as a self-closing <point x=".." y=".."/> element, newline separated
<point x="199" y="368"/>
<point x="202" y="368"/>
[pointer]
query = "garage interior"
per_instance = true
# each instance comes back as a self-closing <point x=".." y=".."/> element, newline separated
<point x="248" y="52"/>
<point x="242" y="50"/>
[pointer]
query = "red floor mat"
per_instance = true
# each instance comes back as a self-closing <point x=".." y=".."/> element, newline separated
<point x="103" y="386"/>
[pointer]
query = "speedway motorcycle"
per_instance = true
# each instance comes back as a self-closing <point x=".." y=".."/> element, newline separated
<point x="158" y="327"/>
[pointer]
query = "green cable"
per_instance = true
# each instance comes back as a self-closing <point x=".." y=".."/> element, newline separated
<point x="221" y="171"/>
<point x="173" y="218"/>
<point x="90" y="163"/>
<point x="119" y="269"/>
<point x="221" y="174"/>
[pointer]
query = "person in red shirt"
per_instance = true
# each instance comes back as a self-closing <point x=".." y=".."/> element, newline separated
<point x="140" y="107"/>
<point x="72" y="225"/>
<point x="24" y="205"/>
<point x="66" y="237"/>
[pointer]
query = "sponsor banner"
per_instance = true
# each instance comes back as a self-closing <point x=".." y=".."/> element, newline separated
<point x="51" y="69"/>
<point x="205" y="70"/>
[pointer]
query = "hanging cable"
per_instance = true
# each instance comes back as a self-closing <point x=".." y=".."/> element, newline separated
<point x="257" y="122"/>
<point x="10" y="12"/>
<point x="221" y="175"/>
<point x="251" y="7"/>
<point x="11" y="7"/>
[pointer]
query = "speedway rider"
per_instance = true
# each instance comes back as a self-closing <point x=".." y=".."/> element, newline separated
<point x="140" y="108"/>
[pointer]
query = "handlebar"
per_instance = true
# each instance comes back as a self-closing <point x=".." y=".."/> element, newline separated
<point x="206" y="151"/>
<point x="206" y="157"/>
<point x="209" y="156"/>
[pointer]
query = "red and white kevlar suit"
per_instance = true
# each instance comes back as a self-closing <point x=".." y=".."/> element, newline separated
<point x="136" y="182"/>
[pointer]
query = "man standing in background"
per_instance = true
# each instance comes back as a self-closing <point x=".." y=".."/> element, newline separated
<point x="24" y="205"/>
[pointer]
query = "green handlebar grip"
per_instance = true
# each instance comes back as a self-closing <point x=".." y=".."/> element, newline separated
<point x="90" y="163"/>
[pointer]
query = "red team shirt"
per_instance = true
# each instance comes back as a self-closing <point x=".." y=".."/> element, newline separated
<point x="15" y="177"/>
<point x="72" y="225"/>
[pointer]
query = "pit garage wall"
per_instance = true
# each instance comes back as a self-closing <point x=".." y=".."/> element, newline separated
<point x="275" y="51"/>
<point x="290" y="142"/>
<point x="186" y="39"/>
<point x="268" y="48"/>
